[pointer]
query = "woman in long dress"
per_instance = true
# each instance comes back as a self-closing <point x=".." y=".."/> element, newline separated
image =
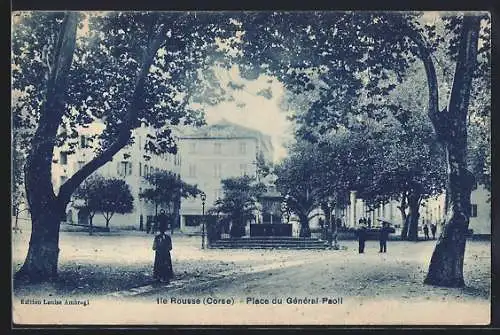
<point x="162" y="269"/>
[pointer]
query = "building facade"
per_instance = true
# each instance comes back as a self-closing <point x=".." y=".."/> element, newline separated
<point x="132" y="163"/>
<point x="480" y="211"/>
<point x="431" y="211"/>
<point x="211" y="154"/>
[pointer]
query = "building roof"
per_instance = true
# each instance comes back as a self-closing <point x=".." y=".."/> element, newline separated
<point x="226" y="130"/>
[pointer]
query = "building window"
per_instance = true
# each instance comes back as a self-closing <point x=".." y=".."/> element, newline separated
<point x="217" y="170"/>
<point x="63" y="158"/>
<point x="192" y="170"/>
<point x="192" y="148"/>
<point x="473" y="210"/>
<point x="217" y="148"/>
<point x="243" y="148"/>
<point x="140" y="169"/>
<point x="83" y="142"/>
<point x="125" y="168"/>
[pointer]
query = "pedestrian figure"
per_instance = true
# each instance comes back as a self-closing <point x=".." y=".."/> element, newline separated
<point x="361" y="239"/>
<point x="433" y="230"/>
<point x="426" y="231"/>
<point x="384" y="236"/>
<point x="162" y="269"/>
<point x="155" y="227"/>
<point x="148" y="225"/>
<point x="369" y="222"/>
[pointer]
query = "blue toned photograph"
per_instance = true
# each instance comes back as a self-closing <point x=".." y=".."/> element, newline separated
<point x="251" y="168"/>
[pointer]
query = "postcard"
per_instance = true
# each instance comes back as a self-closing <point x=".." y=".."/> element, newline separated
<point x="251" y="168"/>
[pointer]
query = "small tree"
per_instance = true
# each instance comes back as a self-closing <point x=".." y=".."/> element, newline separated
<point x="89" y="194"/>
<point x="114" y="197"/>
<point x="167" y="188"/>
<point x="239" y="201"/>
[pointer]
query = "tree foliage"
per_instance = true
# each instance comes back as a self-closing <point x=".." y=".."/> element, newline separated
<point x="239" y="203"/>
<point x="115" y="198"/>
<point x="105" y="195"/>
<point x="121" y="69"/>
<point x="167" y="187"/>
<point x="88" y="196"/>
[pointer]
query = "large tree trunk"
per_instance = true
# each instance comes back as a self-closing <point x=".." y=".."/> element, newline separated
<point x="446" y="266"/>
<point x="41" y="261"/>
<point x="46" y="208"/>
<point x="305" y="231"/>
<point x="326" y="224"/>
<point x="413" y="216"/>
<point x="337" y="212"/>
<point x="43" y="252"/>
<point x="402" y="208"/>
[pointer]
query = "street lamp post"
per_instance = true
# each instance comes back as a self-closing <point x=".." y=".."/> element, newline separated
<point x="203" y="199"/>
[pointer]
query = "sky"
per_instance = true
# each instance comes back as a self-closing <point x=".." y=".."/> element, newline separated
<point x="254" y="111"/>
<point x="249" y="109"/>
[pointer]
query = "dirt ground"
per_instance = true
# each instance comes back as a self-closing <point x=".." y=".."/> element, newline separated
<point x="375" y="288"/>
<point x="105" y="263"/>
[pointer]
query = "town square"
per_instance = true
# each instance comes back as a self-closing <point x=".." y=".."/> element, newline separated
<point x="205" y="168"/>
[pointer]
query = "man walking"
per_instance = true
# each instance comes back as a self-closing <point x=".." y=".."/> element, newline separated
<point x="433" y="230"/>
<point x="384" y="236"/>
<point x="426" y="231"/>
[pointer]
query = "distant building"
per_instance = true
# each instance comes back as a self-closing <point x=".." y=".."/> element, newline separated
<point x="131" y="163"/>
<point x="358" y="209"/>
<point x="212" y="153"/>
<point x="431" y="211"/>
<point x="480" y="211"/>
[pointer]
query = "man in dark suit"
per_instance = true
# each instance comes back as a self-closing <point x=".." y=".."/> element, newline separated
<point x="384" y="236"/>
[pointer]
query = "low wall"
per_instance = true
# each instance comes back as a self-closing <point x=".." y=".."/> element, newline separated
<point x="263" y="229"/>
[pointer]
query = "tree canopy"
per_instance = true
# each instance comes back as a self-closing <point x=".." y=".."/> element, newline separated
<point x="339" y="70"/>
<point x="166" y="187"/>
<point x="239" y="203"/>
